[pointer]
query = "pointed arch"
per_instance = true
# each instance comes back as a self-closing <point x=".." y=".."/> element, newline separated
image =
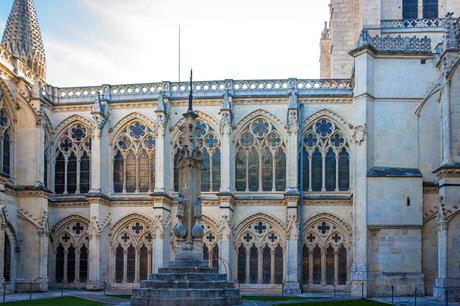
<point x="343" y="125"/>
<point x="125" y="121"/>
<point x="66" y="123"/>
<point x="65" y="221"/>
<point x="248" y="223"/>
<point x="10" y="103"/>
<point x="280" y="126"/>
<point x="211" y="121"/>
<point x="121" y="224"/>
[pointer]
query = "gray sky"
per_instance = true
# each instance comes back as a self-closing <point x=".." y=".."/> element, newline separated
<point x="129" y="41"/>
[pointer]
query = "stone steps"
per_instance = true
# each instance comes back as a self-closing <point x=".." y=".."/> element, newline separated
<point x="182" y="293"/>
<point x="185" y="284"/>
<point x="204" y="277"/>
<point x="189" y="269"/>
<point x="187" y="302"/>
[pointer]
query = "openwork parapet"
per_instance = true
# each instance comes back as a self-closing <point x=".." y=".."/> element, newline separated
<point x="412" y="24"/>
<point x="398" y="44"/>
<point x="202" y="89"/>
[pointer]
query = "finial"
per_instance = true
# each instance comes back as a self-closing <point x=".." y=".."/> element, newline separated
<point x="190" y="97"/>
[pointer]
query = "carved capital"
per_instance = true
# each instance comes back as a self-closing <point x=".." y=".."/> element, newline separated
<point x="360" y="134"/>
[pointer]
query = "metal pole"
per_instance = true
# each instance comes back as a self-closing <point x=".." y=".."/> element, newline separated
<point x="392" y="294"/>
<point x="30" y="291"/>
<point x="415" y="296"/>
<point x="362" y="291"/>
<point x="4" y="292"/>
<point x="300" y="217"/>
<point x="103" y="286"/>
<point x="62" y="290"/>
<point x="446" y="294"/>
<point x="334" y="292"/>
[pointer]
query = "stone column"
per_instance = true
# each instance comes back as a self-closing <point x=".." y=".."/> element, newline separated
<point x="161" y="256"/>
<point x="77" y="266"/>
<point x="227" y="158"/>
<point x="260" y="260"/>
<point x="442" y="249"/>
<point x="272" y="267"/>
<point x="226" y="235"/>
<point x="43" y="270"/>
<point x="292" y="142"/>
<point x="162" y="153"/>
<point x="99" y="219"/>
<point x="291" y="277"/>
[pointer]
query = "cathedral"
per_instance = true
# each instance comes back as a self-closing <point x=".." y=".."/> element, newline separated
<point x="350" y="181"/>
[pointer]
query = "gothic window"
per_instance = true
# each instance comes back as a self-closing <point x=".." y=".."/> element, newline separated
<point x="46" y="161"/>
<point x="326" y="162"/>
<point x="210" y="245"/>
<point x="410" y="9"/>
<point x="71" y="248"/>
<point x="260" y="254"/>
<point x="7" y="260"/>
<point x="260" y="160"/>
<point x="430" y="9"/>
<point x="209" y="146"/>
<point x="132" y="248"/>
<point x="5" y="141"/>
<point x="134" y="159"/>
<point x="325" y="253"/>
<point x="72" y="164"/>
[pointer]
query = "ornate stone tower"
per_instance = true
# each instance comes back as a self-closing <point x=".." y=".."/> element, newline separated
<point x="188" y="280"/>
<point x="23" y="38"/>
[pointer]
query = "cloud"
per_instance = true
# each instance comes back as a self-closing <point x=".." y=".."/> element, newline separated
<point x="137" y="41"/>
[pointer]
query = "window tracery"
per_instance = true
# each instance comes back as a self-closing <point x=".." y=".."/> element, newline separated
<point x="5" y="142"/>
<point x="72" y="163"/>
<point x="260" y="254"/>
<point x="134" y="159"/>
<point x="326" y="162"/>
<point x="71" y="252"/>
<point x="325" y="254"/>
<point x="132" y="248"/>
<point x="209" y="144"/>
<point x="260" y="161"/>
<point x="211" y="246"/>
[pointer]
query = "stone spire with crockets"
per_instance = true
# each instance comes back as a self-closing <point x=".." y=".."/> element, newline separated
<point x="23" y="38"/>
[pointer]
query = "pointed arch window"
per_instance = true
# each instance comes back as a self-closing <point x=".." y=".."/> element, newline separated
<point x="5" y="143"/>
<point x="326" y="162"/>
<point x="72" y="163"/>
<point x="134" y="159"/>
<point x="209" y="146"/>
<point x="260" y="160"/>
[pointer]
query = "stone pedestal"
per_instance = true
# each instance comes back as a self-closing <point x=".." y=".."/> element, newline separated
<point x="186" y="282"/>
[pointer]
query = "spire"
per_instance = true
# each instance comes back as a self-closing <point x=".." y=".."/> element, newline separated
<point x="23" y="38"/>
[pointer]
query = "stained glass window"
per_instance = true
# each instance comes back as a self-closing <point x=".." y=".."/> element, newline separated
<point x="430" y="9"/>
<point x="305" y="265"/>
<point x="267" y="263"/>
<point x="143" y="263"/>
<point x="119" y="263"/>
<point x="410" y="9"/>
<point x="205" y="252"/>
<point x="131" y="264"/>
<point x="330" y="265"/>
<point x="342" y="261"/>
<point x="279" y="267"/>
<point x="6" y="153"/>
<point x="316" y="265"/>
<point x="59" y="264"/>
<point x="71" y="264"/>
<point x="260" y="158"/>
<point x="73" y="153"/>
<point x="325" y="153"/>
<point x="215" y="256"/>
<point x="253" y="262"/>
<point x="134" y="155"/>
<point x="216" y="170"/>
<point x="7" y="260"/>
<point x="205" y="178"/>
<point x="83" y="264"/>
<point x="241" y="264"/>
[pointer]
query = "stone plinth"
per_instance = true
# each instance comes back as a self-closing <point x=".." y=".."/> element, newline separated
<point x="186" y="283"/>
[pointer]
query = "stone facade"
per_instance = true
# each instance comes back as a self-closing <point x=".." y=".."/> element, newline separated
<point x="368" y="201"/>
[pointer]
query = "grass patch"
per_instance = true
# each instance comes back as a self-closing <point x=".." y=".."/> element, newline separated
<point x="271" y="298"/>
<point x="121" y="296"/>
<point x="62" y="301"/>
<point x="336" y="303"/>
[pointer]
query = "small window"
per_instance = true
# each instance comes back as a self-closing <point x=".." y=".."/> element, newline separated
<point x="430" y="9"/>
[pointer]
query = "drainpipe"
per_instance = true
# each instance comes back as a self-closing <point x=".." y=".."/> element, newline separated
<point x="300" y="212"/>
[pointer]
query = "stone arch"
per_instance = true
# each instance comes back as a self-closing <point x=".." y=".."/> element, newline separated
<point x="63" y="125"/>
<point x="343" y="125"/>
<point x="254" y="226"/>
<point x="278" y="123"/>
<point x="136" y="236"/>
<point x="75" y="226"/>
<point x="125" y="121"/>
<point x="210" y="228"/>
<point x="9" y="101"/>
<point x="211" y="121"/>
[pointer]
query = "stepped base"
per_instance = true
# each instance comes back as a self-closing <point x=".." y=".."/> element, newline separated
<point x="186" y="283"/>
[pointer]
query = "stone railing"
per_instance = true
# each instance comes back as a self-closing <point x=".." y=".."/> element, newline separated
<point x="398" y="44"/>
<point x="404" y="25"/>
<point x="202" y="89"/>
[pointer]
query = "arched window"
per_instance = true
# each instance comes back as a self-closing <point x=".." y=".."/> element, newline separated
<point x="410" y="9"/>
<point x="260" y="254"/>
<point x="325" y="253"/>
<point x="131" y="249"/>
<point x="260" y="160"/>
<point x="211" y="244"/>
<point x="72" y="168"/>
<point x="134" y="159"/>
<point x="5" y="138"/>
<point x="71" y="251"/>
<point x="46" y="160"/>
<point x="210" y="155"/>
<point x="7" y="260"/>
<point x="326" y="165"/>
<point x="430" y="9"/>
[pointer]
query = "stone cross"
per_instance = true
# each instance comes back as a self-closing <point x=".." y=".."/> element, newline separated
<point x="189" y="231"/>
